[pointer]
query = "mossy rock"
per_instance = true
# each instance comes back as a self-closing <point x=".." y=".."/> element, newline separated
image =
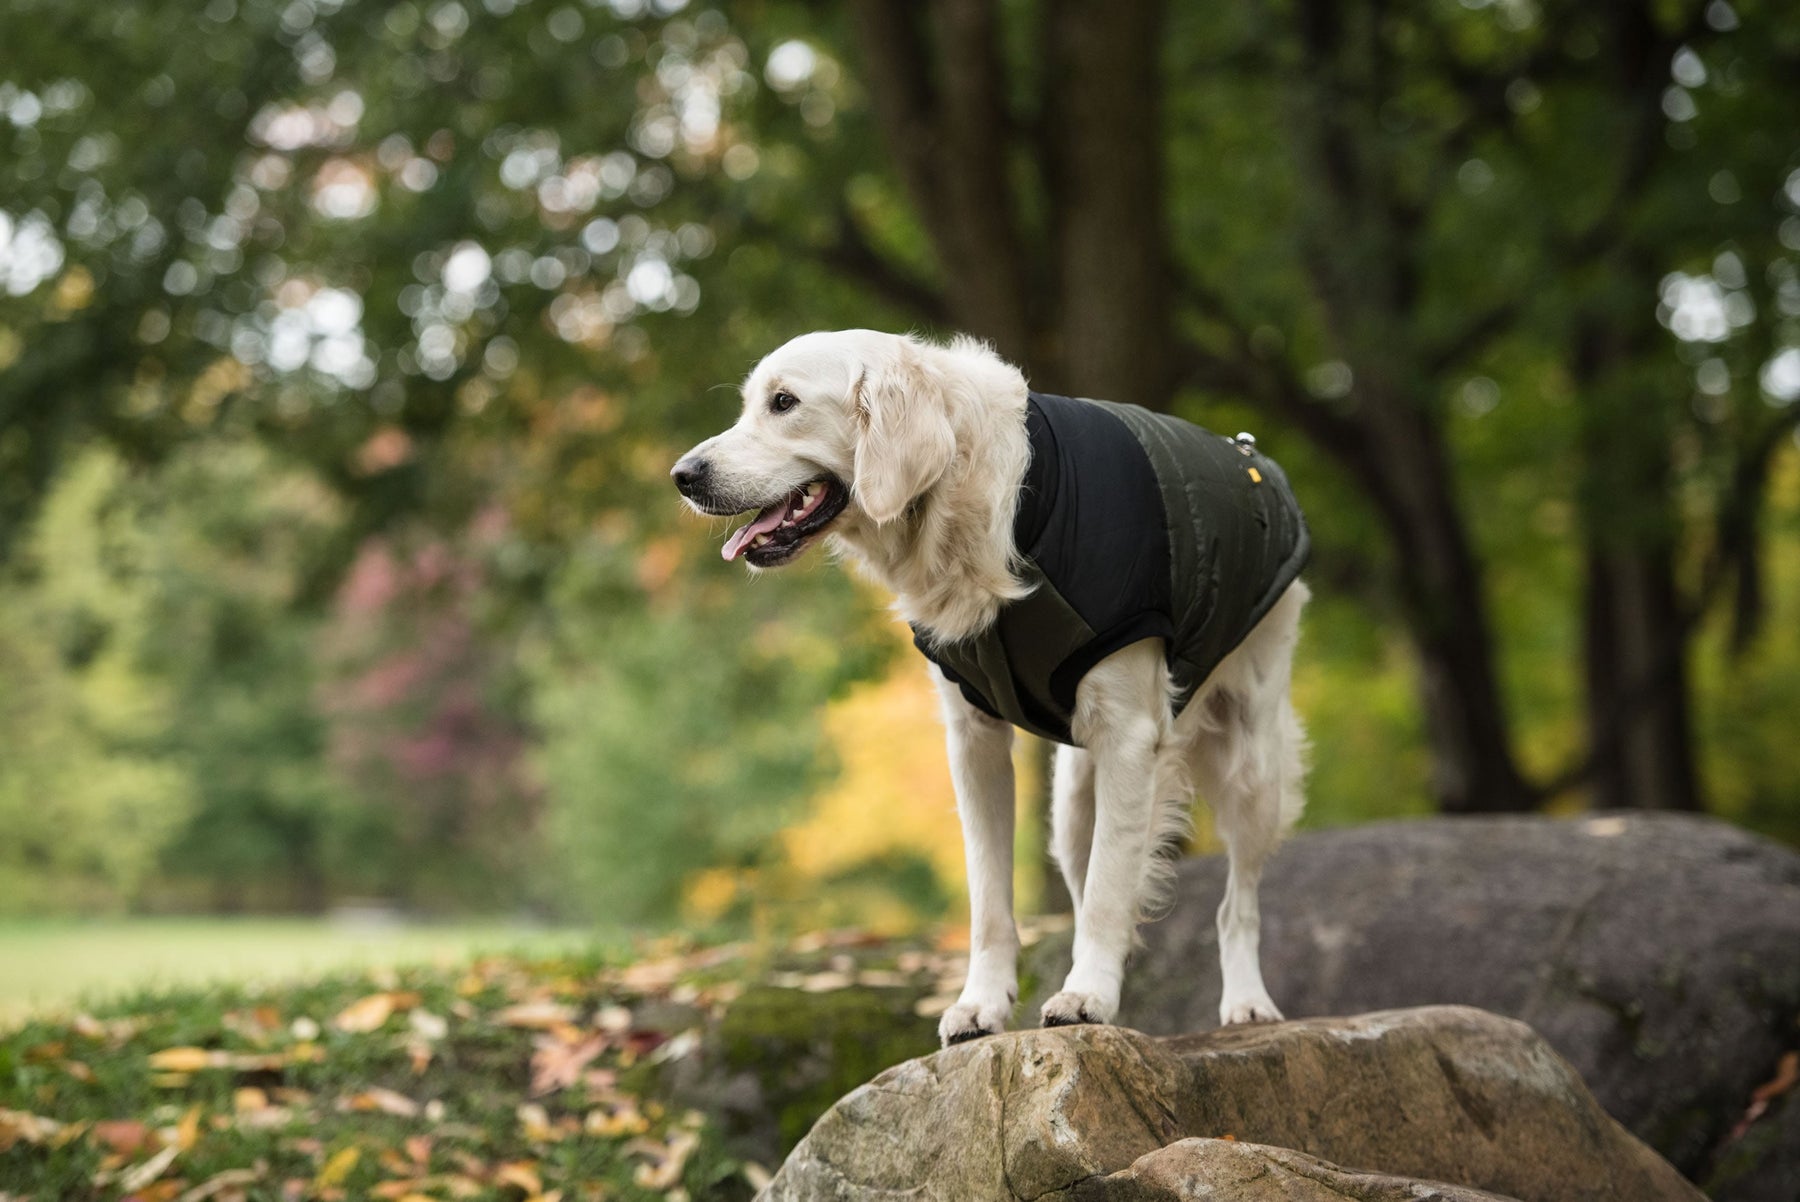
<point x="780" y="1057"/>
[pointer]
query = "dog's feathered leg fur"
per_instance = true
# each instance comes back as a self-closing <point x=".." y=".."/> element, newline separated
<point x="1121" y="717"/>
<point x="981" y="768"/>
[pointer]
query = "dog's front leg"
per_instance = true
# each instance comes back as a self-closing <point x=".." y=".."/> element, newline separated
<point x="982" y="771"/>
<point x="1121" y="718"/>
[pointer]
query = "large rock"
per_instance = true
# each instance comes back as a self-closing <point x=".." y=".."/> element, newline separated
<point x="1218" y="1168"/>
<point x="1660" y="954"/>
<point x="1408" y="1097"/>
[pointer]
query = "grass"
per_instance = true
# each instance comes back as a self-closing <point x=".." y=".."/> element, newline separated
<point x="518" y="1077"/>
<point x="60" y="965"/>
<point x="503" y="1077"/>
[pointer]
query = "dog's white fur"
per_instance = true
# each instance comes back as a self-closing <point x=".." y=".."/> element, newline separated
<point x="931" y="441"/>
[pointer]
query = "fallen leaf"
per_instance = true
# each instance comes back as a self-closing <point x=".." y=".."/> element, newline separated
<point x="651" y="976"/>
<point x="427" y="1024"/>
<point x="269" y="1118"/>
<point x="229" y="1179"/>
<point x="386" y="1101"/>
<point x="124" y="1136"/>
<point x="365" y="1014"/>
<point x="338" y="1167"/>
<point x="187" y="1130"/>
<point x="620" y="1119"/>
<point x="826" y="982"/>
<point x="1787" y="1075"/>
<point x="18" y="1126"/>
<point x="883" y="978"/>
<point x="534" y="1121"/>
<point x="249" y="1098"/>
<point x="521" y="1175"/>
<point x="137" y="1177"/>
<point x="668" y="1160"/>
<point x="535" y="1015"/>
<point x="184" y="1060"/>
<point x="557" y="1065"/>
<point x="931" y="1007"/>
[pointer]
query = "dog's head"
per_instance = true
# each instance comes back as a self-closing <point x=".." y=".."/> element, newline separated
<point x="845" y="425"/>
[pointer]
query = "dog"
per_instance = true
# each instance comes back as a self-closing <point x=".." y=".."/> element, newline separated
<point x="1121" y="582"/>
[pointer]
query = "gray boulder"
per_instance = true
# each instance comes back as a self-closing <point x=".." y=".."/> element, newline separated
<point x="1441" y="1102"/>
<point x="1660" y="954"/>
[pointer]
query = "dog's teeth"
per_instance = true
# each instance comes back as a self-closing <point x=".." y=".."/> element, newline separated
<point x="759" y="540"/>
<point x="813" y="489"/>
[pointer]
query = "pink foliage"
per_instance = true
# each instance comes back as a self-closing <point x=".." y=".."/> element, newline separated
<point x="412" y="699"/>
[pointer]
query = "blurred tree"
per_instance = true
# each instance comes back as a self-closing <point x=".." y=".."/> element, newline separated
<point x="1033" y="144"/>
<point x="426" y="729"/>
<point x="229" y="533"/>
<point x="88" y="795"/>
<point x="445" y="255"/>
<point x="662" y="756"/>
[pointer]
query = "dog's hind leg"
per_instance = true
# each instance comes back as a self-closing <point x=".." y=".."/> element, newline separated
<point x="981" y="769"/>
<point x="1250" y="764"/>
<point x="1072" y="817"/>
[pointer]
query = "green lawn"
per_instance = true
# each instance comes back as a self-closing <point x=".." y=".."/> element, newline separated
<point x="502" y="1078"/>
<point x="57" y="965"/>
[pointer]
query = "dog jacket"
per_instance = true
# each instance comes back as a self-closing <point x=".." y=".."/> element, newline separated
<point x="1130" y="525"/>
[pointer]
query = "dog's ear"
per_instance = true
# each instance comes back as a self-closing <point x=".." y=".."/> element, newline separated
<point x="906" y="441"/>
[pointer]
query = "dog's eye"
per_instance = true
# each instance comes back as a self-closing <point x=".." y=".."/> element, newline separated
<point x="781" y="402"/>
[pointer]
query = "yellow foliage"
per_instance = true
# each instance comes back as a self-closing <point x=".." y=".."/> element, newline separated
<point x="74" y="291"/>
<point x="893" y="788"/>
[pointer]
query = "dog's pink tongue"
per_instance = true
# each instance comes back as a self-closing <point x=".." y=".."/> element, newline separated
<point x="765" y="521"/>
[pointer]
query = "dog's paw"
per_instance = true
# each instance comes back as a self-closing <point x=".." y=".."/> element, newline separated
<point x="971" y="1020"/>
<point x="1068" y="1009"/>
<point x="1248" y="1010"/>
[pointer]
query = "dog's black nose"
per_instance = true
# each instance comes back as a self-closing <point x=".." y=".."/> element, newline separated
<point x="690" y="476"/>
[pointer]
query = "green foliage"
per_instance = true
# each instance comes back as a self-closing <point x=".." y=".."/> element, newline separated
<point x="86" y="797"/>
<point x="664" y="753"/>
<point x="232" y="532"/>
<point x="294" y="289"/>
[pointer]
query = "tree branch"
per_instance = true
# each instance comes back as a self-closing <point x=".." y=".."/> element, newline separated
<point x="949" y="132"/>
<point x="1474" y="337"/>
<point x="852" y="255"/>
<point x="1734" y="542"/>
<point x="1270" y="380"/>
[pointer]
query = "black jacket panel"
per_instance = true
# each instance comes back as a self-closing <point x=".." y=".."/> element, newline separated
<point x="1131" y="525"/>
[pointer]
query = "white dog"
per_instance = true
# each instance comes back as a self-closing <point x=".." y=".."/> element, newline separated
<point x="1118" y="581"/>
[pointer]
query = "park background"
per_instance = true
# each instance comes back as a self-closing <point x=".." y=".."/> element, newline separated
<point x="345" y="347"/>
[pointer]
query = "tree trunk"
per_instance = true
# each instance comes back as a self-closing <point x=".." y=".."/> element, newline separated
<point x="1103" y="146"/>
<point x="1473" y="768"/>
<point x="1637" y="687"/>
<point x="1640" y="732"/>
<point x="943" y="118"/>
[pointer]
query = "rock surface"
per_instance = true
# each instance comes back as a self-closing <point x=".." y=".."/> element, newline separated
<point x="1409" y="1097"/>
<point x="1226" y="1169"/>
<point x="1656" y="952"/>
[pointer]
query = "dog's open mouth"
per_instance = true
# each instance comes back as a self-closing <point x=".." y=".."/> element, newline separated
<point x="780" y="531"/>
